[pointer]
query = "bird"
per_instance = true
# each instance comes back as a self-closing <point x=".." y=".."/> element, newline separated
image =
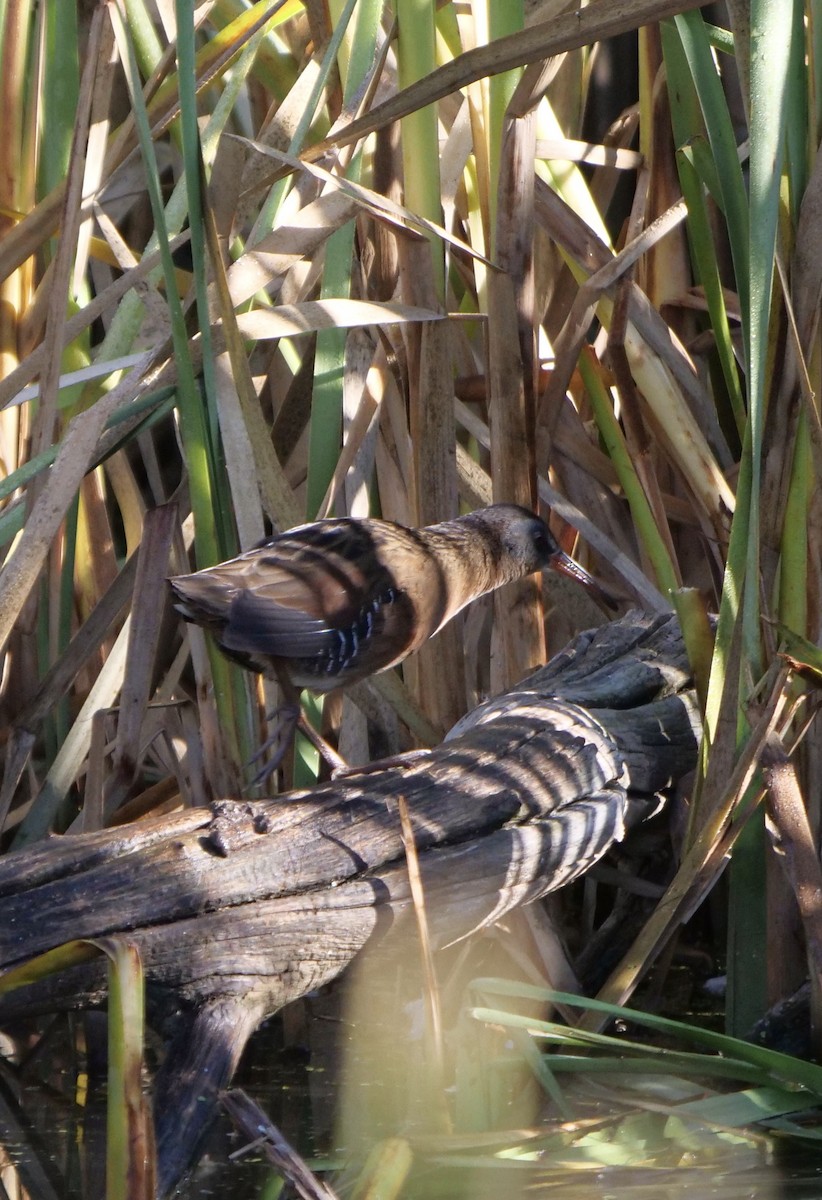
<point x="329" y="603"/>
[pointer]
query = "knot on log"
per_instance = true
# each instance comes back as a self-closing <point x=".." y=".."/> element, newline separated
<point x="235" y="824"/>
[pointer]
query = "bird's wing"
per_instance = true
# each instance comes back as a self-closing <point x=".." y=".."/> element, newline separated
<point x="257" y="624"/>
<point x="375" y="637"/>
<point x="321" y="594"/>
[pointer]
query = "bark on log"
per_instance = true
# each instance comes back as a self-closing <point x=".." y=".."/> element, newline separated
<point x="239" y="910"/>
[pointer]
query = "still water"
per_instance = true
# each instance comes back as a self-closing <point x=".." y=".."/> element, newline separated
<point x="336" y="1081"/>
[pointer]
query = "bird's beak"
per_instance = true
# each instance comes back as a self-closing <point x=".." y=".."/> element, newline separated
<point x="565" y="565"/>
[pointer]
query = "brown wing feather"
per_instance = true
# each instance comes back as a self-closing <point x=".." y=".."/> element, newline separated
<point x="318" y="599"/>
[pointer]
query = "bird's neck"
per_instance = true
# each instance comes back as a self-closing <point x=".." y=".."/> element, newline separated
<point x="473" y="559"/>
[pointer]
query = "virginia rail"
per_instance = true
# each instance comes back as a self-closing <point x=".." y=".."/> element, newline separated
<point x="329" y="603"/>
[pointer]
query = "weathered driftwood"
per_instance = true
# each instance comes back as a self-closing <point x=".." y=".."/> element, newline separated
<point x="240" y="909"/>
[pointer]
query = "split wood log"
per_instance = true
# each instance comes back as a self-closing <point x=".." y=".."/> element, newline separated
<point x="239" y="909"/>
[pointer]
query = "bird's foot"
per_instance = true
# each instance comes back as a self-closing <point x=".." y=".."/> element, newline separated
<point x="286" y="719"/>
<point x="335" y="761"/>
<point x="289" y="718"/>
<point x="409" y="759"/>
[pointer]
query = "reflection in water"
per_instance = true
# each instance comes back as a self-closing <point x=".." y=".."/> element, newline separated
<point x="326" y="1056"/>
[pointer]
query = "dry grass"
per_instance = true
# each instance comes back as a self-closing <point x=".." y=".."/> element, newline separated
<point x="404" y="270"/>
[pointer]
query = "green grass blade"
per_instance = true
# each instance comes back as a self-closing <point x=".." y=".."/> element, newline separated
<point x="705" y="261"/>
<point x="696" y="45"/>
<point x="193" y="426"/>
<point x="612" y="436"/>
<point x="129" y="1157"/>
<point x="783" y="1067"/>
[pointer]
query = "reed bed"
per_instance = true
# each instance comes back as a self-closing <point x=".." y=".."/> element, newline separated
<point x="266" y="262"/>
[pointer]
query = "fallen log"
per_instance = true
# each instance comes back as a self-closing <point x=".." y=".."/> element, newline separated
<point x="240" y="909"/>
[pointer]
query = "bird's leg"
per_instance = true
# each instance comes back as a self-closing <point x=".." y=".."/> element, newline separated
<point x="290" y="717"/>
<point x="287" y="717"/>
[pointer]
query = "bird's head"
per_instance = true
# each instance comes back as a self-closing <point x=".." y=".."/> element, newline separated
<point x="527" y="541"/>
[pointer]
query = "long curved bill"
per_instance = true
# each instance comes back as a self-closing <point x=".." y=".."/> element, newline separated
<point x="565" y="565"/>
